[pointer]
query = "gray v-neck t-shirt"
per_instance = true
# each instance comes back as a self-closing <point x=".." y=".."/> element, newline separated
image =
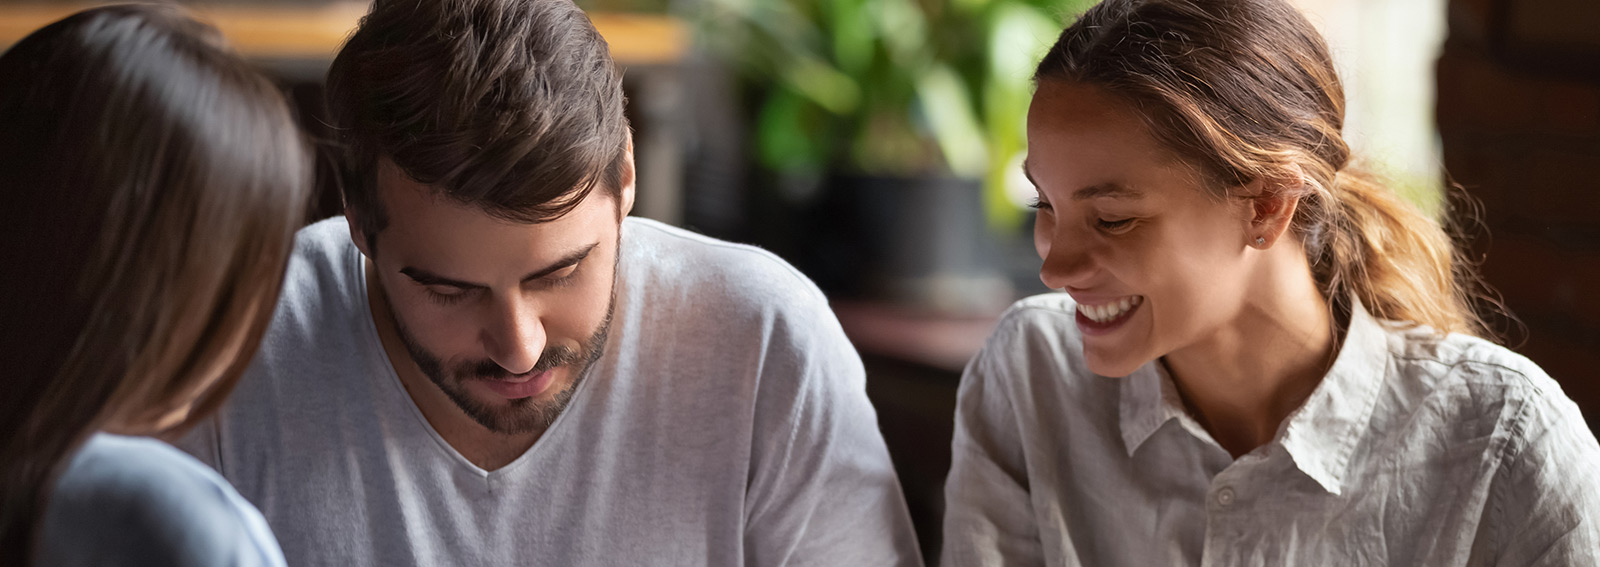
<point x="726" y="424"/>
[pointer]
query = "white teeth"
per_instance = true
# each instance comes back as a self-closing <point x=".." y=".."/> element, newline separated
<point x="1109" y="311"/>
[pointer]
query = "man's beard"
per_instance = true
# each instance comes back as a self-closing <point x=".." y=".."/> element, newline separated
<point x="525" y="415"/>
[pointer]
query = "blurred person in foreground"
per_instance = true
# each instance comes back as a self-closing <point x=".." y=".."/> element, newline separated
<point x="484" y="361"/>
<point x="1261" y="356"/>
<point x="152" y="185"/>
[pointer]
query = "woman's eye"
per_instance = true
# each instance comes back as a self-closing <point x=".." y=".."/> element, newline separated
<point x="1039" y="205"/>
<point x="1115" y="226"/>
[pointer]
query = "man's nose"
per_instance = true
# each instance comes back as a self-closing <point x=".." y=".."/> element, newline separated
<point x="515" y="337"/>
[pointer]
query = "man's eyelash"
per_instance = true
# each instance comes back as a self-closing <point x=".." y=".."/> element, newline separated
<point x="445" y="299"/>
<point x="566" y="280"/>
<point x="454" y="298"/>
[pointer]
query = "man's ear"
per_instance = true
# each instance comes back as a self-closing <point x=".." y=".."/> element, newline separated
<point x="626" y="195"/>
<point x="357" y="236"/>
<point x="1273" y="202"/>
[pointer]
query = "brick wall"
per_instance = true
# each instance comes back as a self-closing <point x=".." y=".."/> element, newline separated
<point x="1519" y="117"/>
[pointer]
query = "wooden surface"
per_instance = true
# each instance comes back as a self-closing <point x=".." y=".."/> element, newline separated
<point x="943" y="342"/>
<point x="316" y="32"/>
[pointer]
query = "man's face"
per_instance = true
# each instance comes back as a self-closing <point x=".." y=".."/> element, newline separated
<point x="503" y="317"/>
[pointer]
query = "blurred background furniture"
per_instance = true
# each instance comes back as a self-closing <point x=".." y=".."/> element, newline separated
<point x="295" y="41"/>
<point x="1519" y="117"/>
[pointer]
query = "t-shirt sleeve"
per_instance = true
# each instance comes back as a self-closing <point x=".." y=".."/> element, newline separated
<point x="822" y="489"/>
<point x="135" y="503"/>
<point x="988" y="514"/>
<point x="1546" y="497"/>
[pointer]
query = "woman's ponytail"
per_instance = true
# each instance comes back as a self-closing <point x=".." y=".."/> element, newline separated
<point x="1401" y="263"/>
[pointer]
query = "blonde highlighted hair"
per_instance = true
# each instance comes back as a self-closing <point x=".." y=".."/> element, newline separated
<point x="1246" y="90"/>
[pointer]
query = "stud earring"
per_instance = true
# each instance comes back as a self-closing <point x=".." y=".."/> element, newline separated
<point x="1260" y="241"/>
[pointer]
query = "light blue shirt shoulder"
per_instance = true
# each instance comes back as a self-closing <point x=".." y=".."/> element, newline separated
<point x="131" y="501"/>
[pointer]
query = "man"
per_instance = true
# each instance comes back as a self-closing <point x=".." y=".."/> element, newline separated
<point x="484" y="363"/>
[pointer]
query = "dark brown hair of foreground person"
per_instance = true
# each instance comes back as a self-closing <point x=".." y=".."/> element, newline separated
<point x="1245" y="90"/>
<point x="152" y="185"/>
<point x="522" y="127"/>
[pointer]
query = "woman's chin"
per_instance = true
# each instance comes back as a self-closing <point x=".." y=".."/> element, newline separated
<point x="1112" y="365"/>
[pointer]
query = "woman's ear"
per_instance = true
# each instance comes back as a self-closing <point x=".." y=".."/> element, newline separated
<point x="1272" y="206"/>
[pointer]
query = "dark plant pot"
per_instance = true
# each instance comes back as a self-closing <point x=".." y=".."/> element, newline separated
<point x="919" y="241"/>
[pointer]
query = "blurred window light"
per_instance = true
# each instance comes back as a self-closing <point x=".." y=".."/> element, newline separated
<point x="1385" y="51"/>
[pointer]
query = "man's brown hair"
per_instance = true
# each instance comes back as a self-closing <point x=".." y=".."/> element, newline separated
<point x="511" y="106"/>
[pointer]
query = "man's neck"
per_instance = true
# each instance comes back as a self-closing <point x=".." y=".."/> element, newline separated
<point x="480" y="446"/>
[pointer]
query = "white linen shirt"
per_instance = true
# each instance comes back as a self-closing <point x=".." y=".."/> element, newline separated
<point x="1415" y="449"/>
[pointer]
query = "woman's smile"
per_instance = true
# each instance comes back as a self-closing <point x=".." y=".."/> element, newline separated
<point x="1103" y="317"/>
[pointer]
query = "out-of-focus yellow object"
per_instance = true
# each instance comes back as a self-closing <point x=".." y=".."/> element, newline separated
<point x="317" y="32"/>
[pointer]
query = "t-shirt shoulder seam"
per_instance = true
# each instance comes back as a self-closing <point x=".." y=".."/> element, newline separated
<point x="691" y="236"/>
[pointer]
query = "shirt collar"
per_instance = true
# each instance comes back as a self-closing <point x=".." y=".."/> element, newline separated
<point x="1322" y="433"/>
<point x="1320" y="436"/>
<point x="1149" y="400"/>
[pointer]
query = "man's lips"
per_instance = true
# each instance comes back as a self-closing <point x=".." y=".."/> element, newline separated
<point x="519" y="386"/>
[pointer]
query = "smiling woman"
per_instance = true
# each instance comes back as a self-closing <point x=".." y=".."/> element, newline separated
<point x="1261" y="356"/>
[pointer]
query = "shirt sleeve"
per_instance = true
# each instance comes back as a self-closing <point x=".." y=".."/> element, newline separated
<point x="822" y="489"/>
<point x="988" y="513"/>
<point x="135" y="503"/>
<point x="1547" y="493"/>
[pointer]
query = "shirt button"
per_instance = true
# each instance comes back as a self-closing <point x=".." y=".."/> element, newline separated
<point x="1225" y="497"/>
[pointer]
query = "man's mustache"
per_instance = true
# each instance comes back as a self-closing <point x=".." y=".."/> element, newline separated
<point x="551" y="358"/>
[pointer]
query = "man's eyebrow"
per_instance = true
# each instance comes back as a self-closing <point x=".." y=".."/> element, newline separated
<point x="561" y="264"/>
<point x="1110" y="189"/>
<point x="425" y="277"/>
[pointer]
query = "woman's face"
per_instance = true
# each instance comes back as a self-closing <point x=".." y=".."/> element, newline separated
<point x="1155" y="263"/>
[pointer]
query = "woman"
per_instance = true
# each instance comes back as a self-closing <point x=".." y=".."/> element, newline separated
<point x="152" y="184"/>
<point x="1261" y="357"/>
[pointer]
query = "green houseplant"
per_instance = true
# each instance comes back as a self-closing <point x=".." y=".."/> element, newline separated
<point x="907" y="116"/>
<point x="891" y="87"/>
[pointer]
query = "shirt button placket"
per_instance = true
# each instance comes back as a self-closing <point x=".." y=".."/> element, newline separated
<point x="1225" y="497"/>
<point x="1219" y="528"/>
